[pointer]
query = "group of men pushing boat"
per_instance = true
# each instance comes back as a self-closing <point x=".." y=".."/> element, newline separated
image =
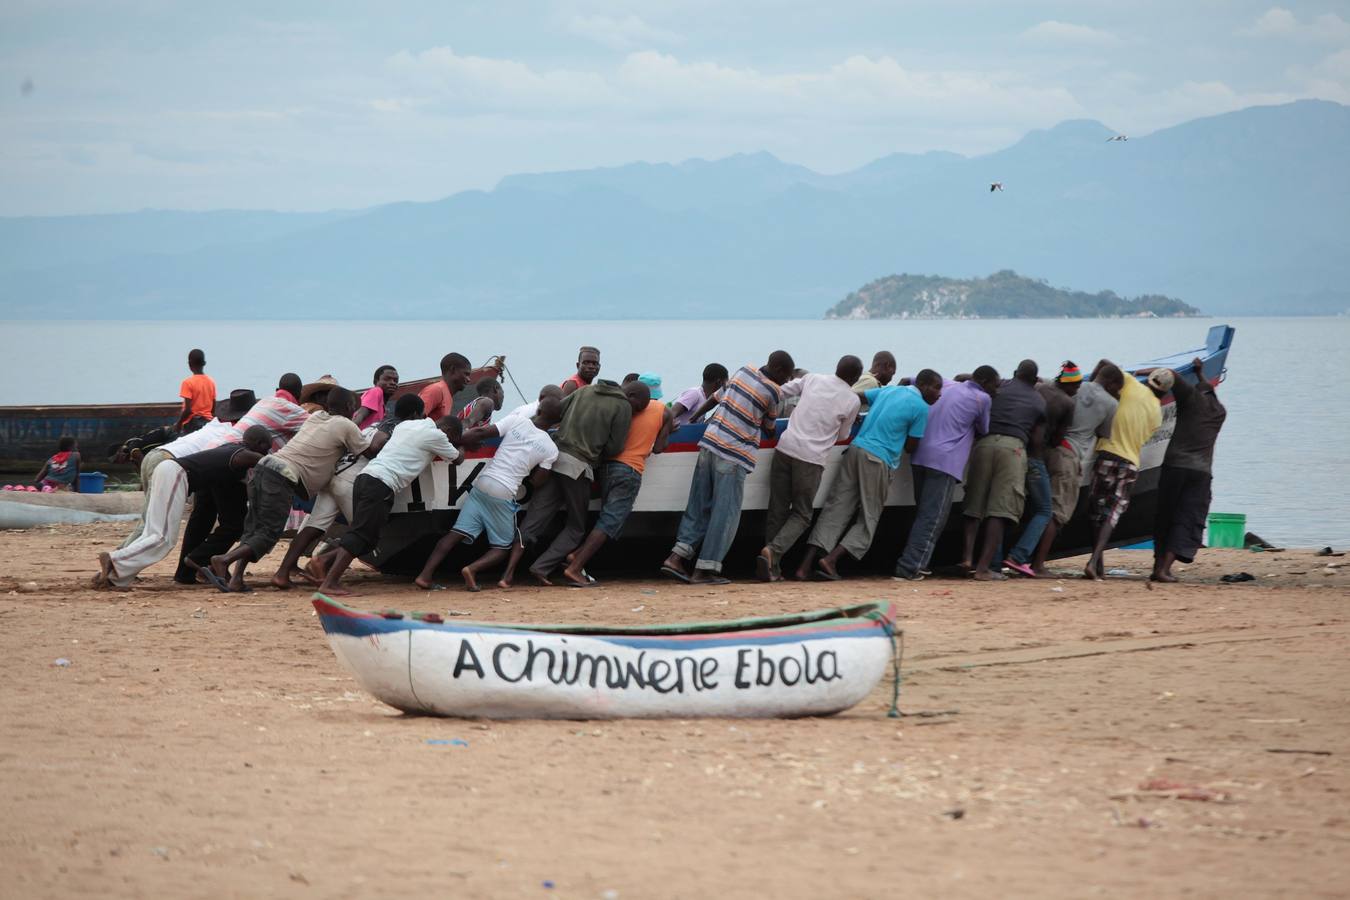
<point x="1019" y="446"/>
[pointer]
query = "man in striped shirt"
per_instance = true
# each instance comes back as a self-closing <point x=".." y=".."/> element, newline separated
<point x="726" y="454"/>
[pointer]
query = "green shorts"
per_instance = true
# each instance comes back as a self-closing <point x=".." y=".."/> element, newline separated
<point x="996" y="481"/>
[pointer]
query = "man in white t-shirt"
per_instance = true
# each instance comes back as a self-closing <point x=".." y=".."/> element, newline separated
<point x="525" y="450"/>
<point x="416" y="441"/>
<point x="826" y="409"/>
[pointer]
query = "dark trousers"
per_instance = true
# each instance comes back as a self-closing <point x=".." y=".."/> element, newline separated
<point x="1183" y="504"/>
<point x="216" y="522"/>
<point x="372" y="500"/>
<point x="933" y="492"/>
<point x="573" y="497"/>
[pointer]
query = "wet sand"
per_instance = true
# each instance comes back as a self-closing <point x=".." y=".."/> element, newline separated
<point x="202" y="744"/>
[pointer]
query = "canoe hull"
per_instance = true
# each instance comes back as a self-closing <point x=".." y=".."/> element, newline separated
<point x="769" y="668"/>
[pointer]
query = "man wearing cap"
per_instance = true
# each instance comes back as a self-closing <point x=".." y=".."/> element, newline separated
<point x="1184" y="481"/>
<point x="1137" y="417"/>
<point x="621" y="475"/>
<point x="825" y="412"/>
<point x="1052" y="475"/>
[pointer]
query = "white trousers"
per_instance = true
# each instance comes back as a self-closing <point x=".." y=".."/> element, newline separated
<point x="165" y="499"/>
<point x="335" y="498"/>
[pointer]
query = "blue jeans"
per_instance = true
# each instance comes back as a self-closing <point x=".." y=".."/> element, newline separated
<point x="933" y="492"/>
<point x="1038" y="500"/>
<point x="712" y="513"/>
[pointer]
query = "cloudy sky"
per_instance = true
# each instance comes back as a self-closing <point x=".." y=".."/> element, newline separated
<point x="113" y="105"/>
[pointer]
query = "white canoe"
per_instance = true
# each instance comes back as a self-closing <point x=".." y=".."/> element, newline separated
<point x="811" y="664"/>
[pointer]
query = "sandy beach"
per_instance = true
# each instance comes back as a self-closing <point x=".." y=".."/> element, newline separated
<point x="1061" y="738"/>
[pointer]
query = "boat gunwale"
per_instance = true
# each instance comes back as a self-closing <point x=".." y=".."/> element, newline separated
<point x="880" y="613"/>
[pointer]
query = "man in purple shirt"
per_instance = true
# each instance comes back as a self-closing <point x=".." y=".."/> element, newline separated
<point x="938" y="465"/>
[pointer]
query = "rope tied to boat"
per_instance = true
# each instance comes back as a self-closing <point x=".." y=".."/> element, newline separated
<point x="897" y="636"/>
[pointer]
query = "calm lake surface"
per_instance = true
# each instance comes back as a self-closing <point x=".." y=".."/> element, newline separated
<point x="1283" y="457"/>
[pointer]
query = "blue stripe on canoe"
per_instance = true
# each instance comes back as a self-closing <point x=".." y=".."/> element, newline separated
<point x="362" y="627"/>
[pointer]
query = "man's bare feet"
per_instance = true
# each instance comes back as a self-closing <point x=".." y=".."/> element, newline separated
<point x="826" y="565"/>
<point x="1163" y="577"/>
<point x="541" y="577"/>
<point x="425" y="584"/>
<point x="336" y="590"/>
<point x="281" y="582"/>
<point x="1090" y="572"/>
<point x="316" y="569"/>
<point x="988" y="575"/>
<point x="470" y="581"/>
<point x="103" y="580"/>
<point x="505" y="583"/>
<point x="1041" y="572"/>
<point x="576" y="577"/>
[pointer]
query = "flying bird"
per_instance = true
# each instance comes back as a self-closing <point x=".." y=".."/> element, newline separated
<point x="1119" y="137"/>
<point x="996" y="186"/>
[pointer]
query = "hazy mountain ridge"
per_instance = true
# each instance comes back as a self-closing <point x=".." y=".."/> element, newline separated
<point x="1240" y="213"/>
<point x="1003" y="295"/>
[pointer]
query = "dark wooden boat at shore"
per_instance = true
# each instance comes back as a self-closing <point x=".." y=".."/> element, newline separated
<point x="28" y="434"/>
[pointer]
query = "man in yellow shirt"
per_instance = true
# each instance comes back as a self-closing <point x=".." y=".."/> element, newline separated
<point x="1137" y="417"/>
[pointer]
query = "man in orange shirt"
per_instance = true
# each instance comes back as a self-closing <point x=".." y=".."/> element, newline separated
<point x="198" y="391"/>
<point x="438" y="399"/>
<point x="621" y="476"/>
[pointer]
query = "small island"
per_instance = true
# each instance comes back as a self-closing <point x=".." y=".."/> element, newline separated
<point x="1003" y="295"/>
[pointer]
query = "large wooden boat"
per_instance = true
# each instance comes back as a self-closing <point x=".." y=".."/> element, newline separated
<point x="428" y="508"/>
<point x="810" y="664"/>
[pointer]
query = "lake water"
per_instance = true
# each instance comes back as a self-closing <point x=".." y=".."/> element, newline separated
<point x="1282" y="457"/>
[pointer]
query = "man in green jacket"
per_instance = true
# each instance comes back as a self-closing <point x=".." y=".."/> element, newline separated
<point x="594" y="427"/>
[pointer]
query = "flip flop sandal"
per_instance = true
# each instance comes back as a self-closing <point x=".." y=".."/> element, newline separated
<point x="716" y="580"/>
<point x="215" y="581"/>
<point x="1019" y="568"/>
<point x="822" y="575"/>
<point x="763" y="569"/>
<point x="675" y="573"/>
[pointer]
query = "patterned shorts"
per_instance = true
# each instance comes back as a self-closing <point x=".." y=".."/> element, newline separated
<point x="1112" y="482"/>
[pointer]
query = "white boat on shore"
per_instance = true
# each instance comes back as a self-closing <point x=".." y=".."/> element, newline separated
<point x="810" y="664"/>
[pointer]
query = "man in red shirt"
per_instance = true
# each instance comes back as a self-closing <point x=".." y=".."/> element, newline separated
<point x="588" y="366"/>
<point x="438" y="399"/>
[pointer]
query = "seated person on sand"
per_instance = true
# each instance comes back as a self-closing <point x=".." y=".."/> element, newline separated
<point x="304" y="466"/>
<point x="488" y="401"/>
<point x="61" y="471"/>
<point x="416" y="441"/>
<point x="525" y="450"/>
<point x="336" y="499"/>
<point x="167" y="494"/>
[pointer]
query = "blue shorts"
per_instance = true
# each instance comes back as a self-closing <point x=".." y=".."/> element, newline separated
<point x="619" y="485"/>
<point x="482" y="513"/>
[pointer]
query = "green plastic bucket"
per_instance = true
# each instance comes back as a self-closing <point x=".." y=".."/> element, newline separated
<point x="1226" y="529"/>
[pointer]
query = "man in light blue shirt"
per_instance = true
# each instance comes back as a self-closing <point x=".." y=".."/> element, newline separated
<point x="895" y="421"/>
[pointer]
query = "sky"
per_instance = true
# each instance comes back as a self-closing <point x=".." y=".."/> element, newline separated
<point x="120" y="105"/>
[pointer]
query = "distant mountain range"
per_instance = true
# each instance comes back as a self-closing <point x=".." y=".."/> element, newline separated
<point x="1003" y="295"/>
<point x="1240" y="213"/>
